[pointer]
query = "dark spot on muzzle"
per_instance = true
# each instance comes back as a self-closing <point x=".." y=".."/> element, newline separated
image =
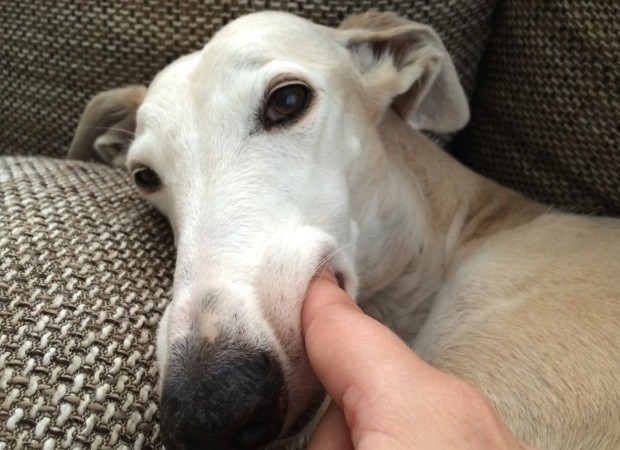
<point x="218" y="397"/>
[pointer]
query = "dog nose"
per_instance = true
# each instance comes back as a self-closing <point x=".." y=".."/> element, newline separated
<point x="222" y="400"/>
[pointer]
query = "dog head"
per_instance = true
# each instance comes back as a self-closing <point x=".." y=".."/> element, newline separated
<point x="253" y="147"/>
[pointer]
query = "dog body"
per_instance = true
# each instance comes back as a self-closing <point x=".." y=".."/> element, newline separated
<point x="282" y="145"/>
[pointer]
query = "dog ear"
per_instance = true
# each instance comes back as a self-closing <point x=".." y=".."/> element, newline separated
<point x="404" y="65"/>
<point x="107" y="126"/>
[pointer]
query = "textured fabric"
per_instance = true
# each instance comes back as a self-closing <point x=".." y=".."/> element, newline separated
<point x="56" y="55"/>
<point x="85" y="272"/>
<point x="546" y="113"/>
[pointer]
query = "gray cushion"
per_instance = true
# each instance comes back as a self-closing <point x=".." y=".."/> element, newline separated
<point x="86" y="269"/>
<point x="546" y="113"/>
<point x="56" y="55"/>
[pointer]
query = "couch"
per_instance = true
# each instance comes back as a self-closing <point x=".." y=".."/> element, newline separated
<point x="86" y="265"/>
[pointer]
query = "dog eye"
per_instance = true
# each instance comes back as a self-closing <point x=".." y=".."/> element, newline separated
<point x="286" y="104"/>
<point x="146" y="179"/>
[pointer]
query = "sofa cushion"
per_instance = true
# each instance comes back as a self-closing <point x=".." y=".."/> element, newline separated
<point x="86" y="270"/>
<point x="546" y="112"/>
<point x="56" y="55"/>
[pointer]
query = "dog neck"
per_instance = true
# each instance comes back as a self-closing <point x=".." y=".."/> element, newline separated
<point x="418" y="213"/>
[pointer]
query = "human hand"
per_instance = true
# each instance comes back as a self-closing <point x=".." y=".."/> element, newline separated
<point x="383" y="395"/>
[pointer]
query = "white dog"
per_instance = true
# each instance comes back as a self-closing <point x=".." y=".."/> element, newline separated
<point x="283" y="144"/>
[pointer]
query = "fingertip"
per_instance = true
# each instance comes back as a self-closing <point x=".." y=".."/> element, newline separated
<point x="324" y="293"/>
<point x="325" y="272"/>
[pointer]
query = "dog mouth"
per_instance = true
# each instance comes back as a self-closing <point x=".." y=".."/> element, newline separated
<point x="305" y="422"/>
<point x="301" y="429"/>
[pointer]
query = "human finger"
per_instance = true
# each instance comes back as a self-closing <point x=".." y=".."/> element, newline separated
<point x="349" y="350"/>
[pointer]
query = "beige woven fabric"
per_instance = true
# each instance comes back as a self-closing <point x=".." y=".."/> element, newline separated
<point x="58" y="54"/>
<point x="85" y="271"/>
<point x="546" y="114"/>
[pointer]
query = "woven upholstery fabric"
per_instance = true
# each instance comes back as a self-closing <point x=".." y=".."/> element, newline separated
<point x="546" y="113"/>
<point x="56" y="55"/>
<point x="85" y="272"/>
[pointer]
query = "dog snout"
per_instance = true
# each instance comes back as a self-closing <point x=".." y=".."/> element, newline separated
<point x="222" y="399"/>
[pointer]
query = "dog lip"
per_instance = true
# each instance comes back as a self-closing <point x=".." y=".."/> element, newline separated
<point x="305" y="418"/>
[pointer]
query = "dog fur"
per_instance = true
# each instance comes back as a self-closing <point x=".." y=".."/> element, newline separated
<point x="515" y="297"/>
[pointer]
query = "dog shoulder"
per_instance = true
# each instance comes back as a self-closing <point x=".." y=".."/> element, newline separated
<point x="544" y="296"/>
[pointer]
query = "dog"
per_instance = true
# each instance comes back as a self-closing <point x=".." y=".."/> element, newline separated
<point x="283" y="145"/>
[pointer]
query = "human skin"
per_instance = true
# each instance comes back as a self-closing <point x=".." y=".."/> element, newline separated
<point x="383" y="395"/>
